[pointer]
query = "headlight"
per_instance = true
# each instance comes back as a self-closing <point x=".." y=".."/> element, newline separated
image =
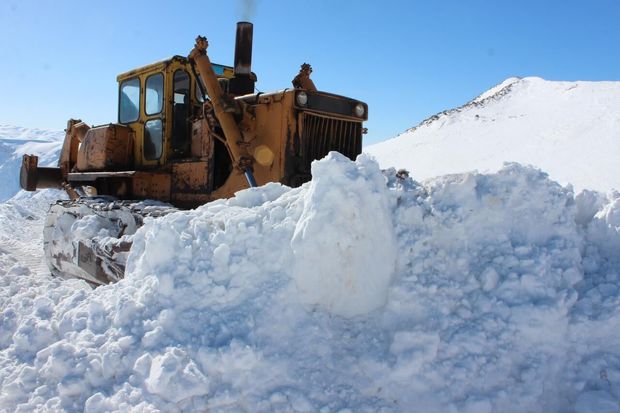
<point x="263" y="155"/>
<point x="359" y="110"/>
<point x="302" y="98"/>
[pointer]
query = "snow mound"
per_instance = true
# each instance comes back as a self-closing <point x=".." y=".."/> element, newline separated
<point x="569" y="129"/>
<point x="360" y="291"/>
<point x="345" y="266"/>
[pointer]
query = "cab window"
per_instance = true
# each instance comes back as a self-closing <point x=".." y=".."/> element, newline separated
<point x="129" y="101"/>
<point x="153" y="139"/>
<point x="154" y="94"/>
<point x="200" y="89"/>
<point x="181" y="140"/>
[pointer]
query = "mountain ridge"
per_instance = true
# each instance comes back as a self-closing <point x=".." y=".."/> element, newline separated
<point x="569" y="129"/>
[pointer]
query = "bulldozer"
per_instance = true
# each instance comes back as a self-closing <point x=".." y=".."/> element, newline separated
<point x="188" y="132"/>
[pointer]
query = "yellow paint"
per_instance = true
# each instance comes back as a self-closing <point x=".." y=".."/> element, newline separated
<point x="167" y="68"/>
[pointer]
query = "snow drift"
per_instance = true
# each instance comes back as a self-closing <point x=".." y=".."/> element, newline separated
<point x="359" y="291"/>
<point x="569" y="129"/>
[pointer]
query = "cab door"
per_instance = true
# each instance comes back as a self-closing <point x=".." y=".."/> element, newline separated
<point x="141" y="107"/>
<point x="153" y="150"/>
<point x="180" y="142"/>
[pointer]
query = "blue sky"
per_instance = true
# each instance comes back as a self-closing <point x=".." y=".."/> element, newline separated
<point x="406" y="59"/>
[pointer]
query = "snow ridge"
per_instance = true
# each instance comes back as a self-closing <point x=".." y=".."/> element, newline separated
<point x="499" y="295"/>
<point x="493" y="94"/>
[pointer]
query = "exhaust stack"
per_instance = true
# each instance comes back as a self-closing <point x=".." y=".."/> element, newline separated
<point x="243" y="49"/>
<point x="243" y="81"/>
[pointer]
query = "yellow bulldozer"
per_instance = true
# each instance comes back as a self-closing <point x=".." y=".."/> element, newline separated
<point x="188" y="132"/>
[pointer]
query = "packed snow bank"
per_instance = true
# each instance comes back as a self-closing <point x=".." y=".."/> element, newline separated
<point x="569" y="129"/>
<point x="473" y="293"/>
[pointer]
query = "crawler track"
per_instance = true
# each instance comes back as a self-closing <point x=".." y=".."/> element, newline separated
<point x="90" y="238"/>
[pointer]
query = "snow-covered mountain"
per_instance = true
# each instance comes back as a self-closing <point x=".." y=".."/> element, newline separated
<point x="361" y="291"/>
<point x="571" y="130"/>
<point x="17" y="141"/>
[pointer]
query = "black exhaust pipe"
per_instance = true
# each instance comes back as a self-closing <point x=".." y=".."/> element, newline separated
<point x="243" y="81"/>
<point x="243" y="49"/>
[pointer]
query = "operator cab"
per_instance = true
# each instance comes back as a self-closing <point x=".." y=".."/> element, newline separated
<point x="157" y="102"/>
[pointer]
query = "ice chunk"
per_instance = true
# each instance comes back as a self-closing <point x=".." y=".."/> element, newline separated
<point x="175" y="377"/>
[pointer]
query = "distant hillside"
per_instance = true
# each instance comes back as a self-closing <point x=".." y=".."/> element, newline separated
<point x="570" y="130"/>
<point x="16" y="141"/>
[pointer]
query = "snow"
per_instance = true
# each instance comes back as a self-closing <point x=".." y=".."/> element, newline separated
<point x="571" y="130"/>
<point x="339" y="266"/>
<point x="361" y="291"/>
<point x="484" y="294"/>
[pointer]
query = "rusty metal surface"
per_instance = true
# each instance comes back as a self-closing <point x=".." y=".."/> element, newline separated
<point x="33" y="177"/>
<point x="76" y="177"/>
<point x="302" y="80"/>
<point x="188" y="200"/>
<point x="74" y="134"/>
<point x="223" y="111"/>
<point x="108" y="147"/>
<point x="49" y="177"/>
<point x="28" y="173"/>
<point x="190" y="177"/>
<point x="147" y="185"/>
<point x="202" y="141"/>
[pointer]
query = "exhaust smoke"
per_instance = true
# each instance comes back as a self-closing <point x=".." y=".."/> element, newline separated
<point x="247" y="9"/>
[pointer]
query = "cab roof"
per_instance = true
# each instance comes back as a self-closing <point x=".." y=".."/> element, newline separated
<point x="220" y="70"/>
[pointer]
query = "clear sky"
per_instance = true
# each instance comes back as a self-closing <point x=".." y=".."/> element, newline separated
<point x="407" y="59"/>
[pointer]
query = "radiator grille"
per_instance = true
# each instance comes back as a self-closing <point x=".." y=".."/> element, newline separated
<point x="320" y="135"/>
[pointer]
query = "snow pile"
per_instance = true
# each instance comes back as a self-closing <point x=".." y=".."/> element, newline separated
<point x="339" y="265"/>
<point x="17" y="141"/>
<point x="569" y="129"/>
<point x="472" y="293"/>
